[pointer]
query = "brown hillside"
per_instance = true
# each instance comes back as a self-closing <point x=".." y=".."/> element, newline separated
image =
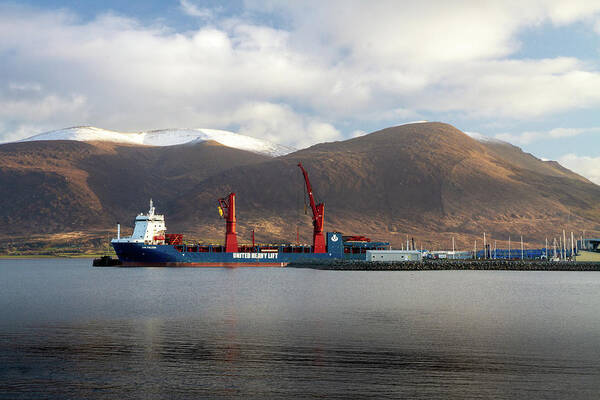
<point x="518" y="158"/>
<point x="57" y="186"/>
<point x="426" y="180"/>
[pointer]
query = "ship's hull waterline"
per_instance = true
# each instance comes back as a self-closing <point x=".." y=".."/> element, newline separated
<point x="141" y="255"/>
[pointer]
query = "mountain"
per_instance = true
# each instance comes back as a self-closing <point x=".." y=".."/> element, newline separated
<point x="424" y="180"/>
<point x="165" y="137"/>
<point x="427" y="180"/>
<point x="62" y="186"/>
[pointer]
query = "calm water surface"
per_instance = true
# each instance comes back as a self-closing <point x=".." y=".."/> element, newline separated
<point x="70" y="331"/>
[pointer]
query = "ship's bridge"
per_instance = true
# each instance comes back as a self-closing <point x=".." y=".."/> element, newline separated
<point x="149" y="228"/>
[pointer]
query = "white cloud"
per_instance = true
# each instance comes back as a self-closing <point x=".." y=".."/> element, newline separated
<point x="534" y="136"/>
<point x="585" y="166"/>
<point x="332" y="63"/>
<point x="194" y="10"/>
<point x="445" y="56"/>
<point x="277" y="122"/>
<point x="13" y="133"/>
<point x="41" y="108"/>
<point x="422" y="33"/>
<point x="566" y="12"/>
<point x="24" y="86"/>
<point x="357" y="133"/>
<point x="116" y="74"/>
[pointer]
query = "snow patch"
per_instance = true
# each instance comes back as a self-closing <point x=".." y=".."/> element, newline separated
<point x="166" y="137"/>
<point x="484" y="139"/>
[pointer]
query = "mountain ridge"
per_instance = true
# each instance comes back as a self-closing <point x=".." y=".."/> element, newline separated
<point x="428" y="180"/>
<point x="409" y="180"/>
<point x="164" y="137"/>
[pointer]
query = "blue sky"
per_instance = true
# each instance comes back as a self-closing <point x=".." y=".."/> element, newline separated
<point x="303" y="72"/>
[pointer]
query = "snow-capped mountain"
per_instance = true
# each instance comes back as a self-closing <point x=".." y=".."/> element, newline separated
<point x="485" y="139"/>
<point x="166" y="137"/>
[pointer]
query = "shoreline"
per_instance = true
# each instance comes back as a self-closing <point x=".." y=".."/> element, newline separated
<point x="451" y="265"/>
<point x="427" y="265"/>
<point x="14" y="257"/>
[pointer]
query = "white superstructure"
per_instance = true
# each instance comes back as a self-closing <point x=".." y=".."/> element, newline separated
<point x="149" y="229"/>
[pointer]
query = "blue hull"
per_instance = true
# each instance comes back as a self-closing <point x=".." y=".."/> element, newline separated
<point x="142" y="255"/>
<point x="133" y="254"/>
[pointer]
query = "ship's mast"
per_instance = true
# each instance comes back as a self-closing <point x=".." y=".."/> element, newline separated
<point x="151" y="210"/>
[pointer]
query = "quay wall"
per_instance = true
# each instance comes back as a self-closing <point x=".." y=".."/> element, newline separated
<point x="442" y="265"/>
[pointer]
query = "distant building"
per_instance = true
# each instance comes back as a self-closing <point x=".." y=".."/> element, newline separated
<point x="589" y="250"/>
<point x="394" y="255"/>
<point x="449" y="255"/>
<point x="589" y="244"/>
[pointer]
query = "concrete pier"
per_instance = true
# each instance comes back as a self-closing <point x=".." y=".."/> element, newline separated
<point x="441" y="265"/>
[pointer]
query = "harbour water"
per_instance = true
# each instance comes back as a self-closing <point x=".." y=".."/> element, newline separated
<point x="70" y="331"/>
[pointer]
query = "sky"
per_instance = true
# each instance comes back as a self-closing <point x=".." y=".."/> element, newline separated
<point x="303" y="72"/>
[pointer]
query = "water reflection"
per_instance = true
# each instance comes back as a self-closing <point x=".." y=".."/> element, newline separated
<point x="179" y="359"/>
<point x="303" y="334"/>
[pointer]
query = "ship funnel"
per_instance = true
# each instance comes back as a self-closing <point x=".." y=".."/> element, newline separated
<point x="118" y="230"/>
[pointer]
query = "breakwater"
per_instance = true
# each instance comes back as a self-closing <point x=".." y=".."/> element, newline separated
<point x="446" y="265"/>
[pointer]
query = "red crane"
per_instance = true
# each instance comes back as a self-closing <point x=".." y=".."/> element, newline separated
<point x="231" y="245"/>
<point x="318" y="211"/>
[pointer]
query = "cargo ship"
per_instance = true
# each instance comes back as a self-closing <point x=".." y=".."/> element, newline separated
<point x="151" y="246"/>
